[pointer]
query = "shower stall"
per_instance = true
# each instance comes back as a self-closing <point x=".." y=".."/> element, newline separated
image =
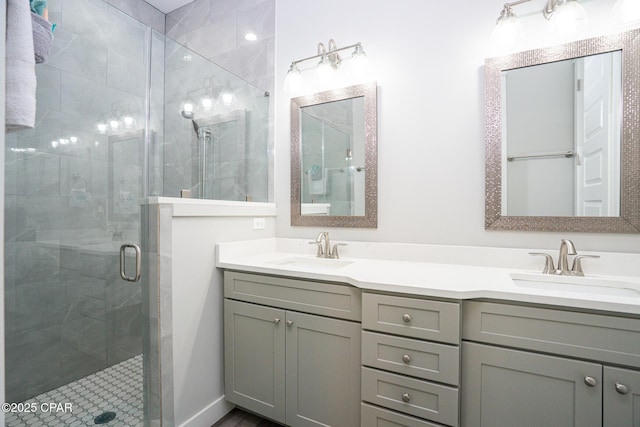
<point x="108" y="135"/>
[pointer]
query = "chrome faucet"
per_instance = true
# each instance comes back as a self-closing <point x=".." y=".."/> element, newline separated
<point x="324" y="249"/>
<point x="327" y="243"/>
<point x="566" y="248"/>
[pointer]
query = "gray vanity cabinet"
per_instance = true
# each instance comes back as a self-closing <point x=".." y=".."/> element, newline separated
<point x="505" y="387"/>
<point x="254" y="338"/>
<point x="621" y="388"/>
<point x="535" y="366"/>
<point x="322" y="378"/>
<point x="410" y="361"/>
<point x="300" y="369"/>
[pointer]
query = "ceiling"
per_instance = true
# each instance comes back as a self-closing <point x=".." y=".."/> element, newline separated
<point x="166" y="6"/>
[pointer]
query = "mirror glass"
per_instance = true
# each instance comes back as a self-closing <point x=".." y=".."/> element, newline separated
<point x="333" y="173"/>
<point x="560" y="129"/>
<point x="334" y="158"/>
<point x="561" y="137"/>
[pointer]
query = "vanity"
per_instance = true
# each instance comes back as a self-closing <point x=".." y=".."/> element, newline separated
<point x="374" y="338"/>
<point x="426" y="335"/>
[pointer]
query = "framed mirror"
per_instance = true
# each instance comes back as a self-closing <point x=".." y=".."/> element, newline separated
<point x="561" y="137"/>
<point x="334" y="158"/>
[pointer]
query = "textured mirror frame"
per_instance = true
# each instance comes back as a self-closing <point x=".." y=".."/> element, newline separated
<point x="370" y="218"/>
<point x="629" y="219"/>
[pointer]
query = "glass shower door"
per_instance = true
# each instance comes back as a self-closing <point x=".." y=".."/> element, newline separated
<point x="72" y="198"/>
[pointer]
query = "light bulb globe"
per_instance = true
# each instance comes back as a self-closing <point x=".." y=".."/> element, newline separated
<point x="359" y="64"/>
<point x="507" y="33"/>
<point x="568" y="18"/>
<point x="324" y="75"/>
<point x="206" y="103"/>
<point x="293" y="80"/>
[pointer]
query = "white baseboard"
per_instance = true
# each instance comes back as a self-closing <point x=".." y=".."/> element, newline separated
<point x="210" y="414"/>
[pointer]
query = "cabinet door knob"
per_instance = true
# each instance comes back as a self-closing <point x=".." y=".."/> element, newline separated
<point x="406" y="358"/>
<point x="406" y="397"/>
<point x="590" y="381"/>
<point x="621" y="388"/>
<point x="289" y="323"/>
<point x="406" y="318"/>
<point x="276" y="320"/>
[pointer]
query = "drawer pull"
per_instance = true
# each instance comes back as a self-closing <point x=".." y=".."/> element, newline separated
<point x="406" y="318"/>
<point x="406" y="358"/>
<point x="406" y="397"/>
<point x="289" y="323"/>
<point x="590" y="381"/>
<point x="621" y="388"/>
<point x="276" y="320"/>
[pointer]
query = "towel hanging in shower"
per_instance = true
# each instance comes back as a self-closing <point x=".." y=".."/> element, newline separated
<point x="20" y="79"/>
<point x="42" y="37"/>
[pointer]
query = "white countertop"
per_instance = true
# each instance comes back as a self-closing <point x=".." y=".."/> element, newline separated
<point x="408" y="269"/>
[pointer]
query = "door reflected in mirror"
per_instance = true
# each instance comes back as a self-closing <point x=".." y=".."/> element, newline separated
<point x="561" y="137"/>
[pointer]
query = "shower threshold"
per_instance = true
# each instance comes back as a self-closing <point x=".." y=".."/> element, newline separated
<point x="116" y="389"/>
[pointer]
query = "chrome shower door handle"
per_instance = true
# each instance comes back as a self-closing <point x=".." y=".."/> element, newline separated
<point x="123" y="274"/>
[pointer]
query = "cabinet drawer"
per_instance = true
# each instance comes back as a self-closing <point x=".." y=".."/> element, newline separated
<point x="426" y="400"/>
<point x="412" y="317"/>
<point x="326" y="299"/>
<point x="427" y="360"/>
<point x="372" y="416"/>
<point x="584" y="335"/>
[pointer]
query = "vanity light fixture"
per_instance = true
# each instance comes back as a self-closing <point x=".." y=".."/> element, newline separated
<point x="119" y="119"/>
<point x="325" y="72"/>
<point x="214" y="96"/>
<point x="565" y="16"/>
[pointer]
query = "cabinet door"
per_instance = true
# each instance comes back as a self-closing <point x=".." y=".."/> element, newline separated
<point x="254" y="345"/>
<point x="323" y="371"/>
<point x="503" y="387"/>
<point x="621" y="390"/>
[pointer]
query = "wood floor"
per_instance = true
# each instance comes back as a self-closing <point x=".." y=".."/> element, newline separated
<point x="240" y="418"/>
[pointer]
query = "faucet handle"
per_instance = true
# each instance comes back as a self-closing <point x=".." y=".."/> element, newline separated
<point x="319" y="253"/>
<point x="334" y="252"/>
<point x="548" y="263"/>
<point x="577" y="264"/>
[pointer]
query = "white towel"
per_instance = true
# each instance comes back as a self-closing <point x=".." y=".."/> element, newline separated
<point x="318" y="186"/>
<point x="20" y="102"/>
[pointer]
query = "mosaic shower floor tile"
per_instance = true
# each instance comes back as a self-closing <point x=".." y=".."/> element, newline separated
<point x="117" y="389"/>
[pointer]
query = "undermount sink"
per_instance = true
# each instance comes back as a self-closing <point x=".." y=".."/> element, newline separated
<point x="313" y="263"/>
<point x="590" y="285"/>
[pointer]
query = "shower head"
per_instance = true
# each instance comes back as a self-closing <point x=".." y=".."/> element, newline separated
<point x="195" y="125"/>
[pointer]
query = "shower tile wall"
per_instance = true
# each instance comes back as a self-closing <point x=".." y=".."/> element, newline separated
<point x="225" y="22"/>
<point x="215" y="29"/>
<point x="238" y="167"/>
<point x="67" y="312"/>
